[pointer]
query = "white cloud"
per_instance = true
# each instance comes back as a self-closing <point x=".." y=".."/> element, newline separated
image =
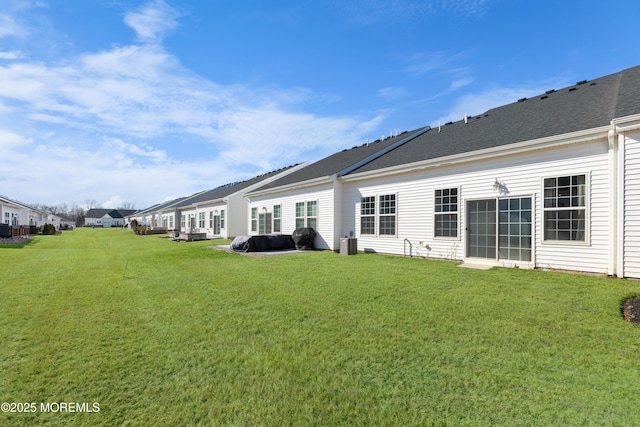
<point x="370" y="12"/>
<point x="132" y="123"/>
<point x="12" y="54"/>
<point x="9" y="26"/>
<point x="393" y="93"/>
<point x="153" y="21"/>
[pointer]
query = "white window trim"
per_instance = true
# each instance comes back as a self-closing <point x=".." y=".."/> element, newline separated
<point x="377" y="216"/>
<point x="458" y="213"/>
<point x="587" y="212"/>
<point x="375" y="220"/>
<point x="305" y="213"/>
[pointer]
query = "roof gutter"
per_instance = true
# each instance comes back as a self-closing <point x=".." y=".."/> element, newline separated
<point x="514" y="148"/>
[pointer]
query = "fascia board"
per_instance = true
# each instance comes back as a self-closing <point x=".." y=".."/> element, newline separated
<point x="515" y="148"/>
<point x="293" y="186"/>
<point x="627" y="123"/>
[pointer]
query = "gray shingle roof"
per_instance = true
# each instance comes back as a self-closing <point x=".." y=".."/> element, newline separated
<point x="585" y="105"/>
<point x="228" y="189"/>
<point x="113" y="213"/>
<point x="337" y="162"/>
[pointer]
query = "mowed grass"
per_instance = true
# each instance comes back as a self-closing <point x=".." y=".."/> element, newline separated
<point x="164" y="333"/>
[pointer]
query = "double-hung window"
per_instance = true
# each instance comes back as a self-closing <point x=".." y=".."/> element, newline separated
<point x="378" y="215"/>
<point x="299" y="215"/>
<point x="254" y="219"/>
<point x="445" y="217"/>
<point x="277" y="218"/>
<point x="387" y="219"/>
<point x="368" y="215"/>
<point x="307" y="214"/>
<point x="201" y="220"/>
<point x="565" y="208"/>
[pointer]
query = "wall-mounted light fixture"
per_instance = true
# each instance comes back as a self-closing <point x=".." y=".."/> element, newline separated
<point x="500" y="187"/>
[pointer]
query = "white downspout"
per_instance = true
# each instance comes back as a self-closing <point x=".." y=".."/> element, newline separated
<point x="620" y="202"/>
<point x="612" y="263"/>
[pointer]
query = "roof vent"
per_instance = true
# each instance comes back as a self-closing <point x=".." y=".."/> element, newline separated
<point x="550" y="91"/>
<point x="522" y="99"/>
<point x="571" y="89"/>
<point x="581" y="82"/>
<point x="544" y="97"/>
<point x="448" y="123"/>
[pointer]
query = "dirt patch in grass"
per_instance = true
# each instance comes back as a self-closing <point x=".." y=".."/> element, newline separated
<point x="630" y="310"/>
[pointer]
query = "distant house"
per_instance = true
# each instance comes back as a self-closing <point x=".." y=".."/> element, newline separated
<point x="16" y="213"/>
<point x="107" y="218"/>
<point x="219" y="212"/>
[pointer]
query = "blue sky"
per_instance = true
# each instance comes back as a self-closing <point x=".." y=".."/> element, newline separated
<point x="139" y="101"/>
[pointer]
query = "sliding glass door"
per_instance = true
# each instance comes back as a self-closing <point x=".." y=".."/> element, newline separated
<point x="499" y="228"/>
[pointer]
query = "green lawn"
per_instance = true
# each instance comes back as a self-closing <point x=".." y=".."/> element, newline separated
<point x="164" y="333"/>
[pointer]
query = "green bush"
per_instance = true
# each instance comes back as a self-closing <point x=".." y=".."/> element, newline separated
<point x="49" y="229"/>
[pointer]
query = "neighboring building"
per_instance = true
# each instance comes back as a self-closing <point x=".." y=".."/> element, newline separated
<point x="107" y="218"/>
<point x="312" y="197"/>
<point x="16" y="213"/>
<point x="219" y="213"/>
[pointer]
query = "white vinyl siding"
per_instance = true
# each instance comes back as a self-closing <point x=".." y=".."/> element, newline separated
<point x="322" y="206"/>
<point x="522" y="175"/>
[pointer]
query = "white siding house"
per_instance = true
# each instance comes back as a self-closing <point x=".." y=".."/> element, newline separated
<point x="548" y="182"/>
<point x="552" y="181"/>
<point x="222" y="211"/>
<point x="312" y="196"/>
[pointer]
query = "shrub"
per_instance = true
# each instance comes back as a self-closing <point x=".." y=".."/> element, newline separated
<point x="49" y="229"/>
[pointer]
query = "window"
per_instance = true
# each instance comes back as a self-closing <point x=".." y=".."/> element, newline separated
<point x="6" y="217"/>
<point x="182" y="221"/>
<point x="307" y="214"/>
<point x="201" y="220"/>
<point x="445" y="221"/>
<point x="216" y="225"/>
<point x="277" y="218"/>
<point x="387" y="220"/>
<point x="368" y="215"/>
<point x="312" y="214"/>
<point x="222" y="218"/>
<point x="171" y="222"/>
<point x="299" y="215"/>
<point x="384" y="216"/>
<point x="564" y="208"/>
<point x="254" y="219"/>
<point x="210" y="219"/>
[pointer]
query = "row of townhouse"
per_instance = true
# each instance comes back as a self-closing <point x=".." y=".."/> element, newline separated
<point x="218" y="213"/>
<point x="552" y="181"/>
<point x="16" y="213"/>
